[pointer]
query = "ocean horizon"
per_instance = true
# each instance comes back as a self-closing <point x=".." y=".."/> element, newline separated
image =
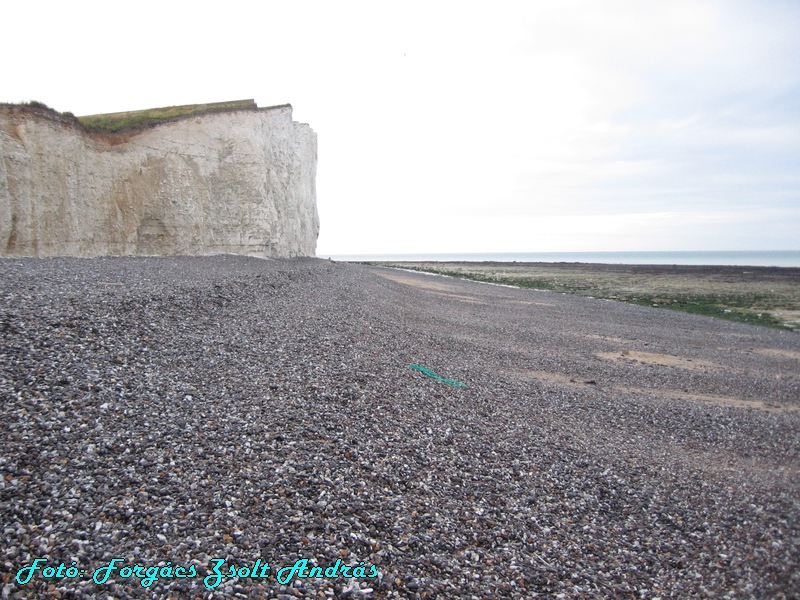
<point x="748" y="258"/>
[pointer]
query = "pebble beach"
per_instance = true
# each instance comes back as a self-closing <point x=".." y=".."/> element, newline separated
<point x="174" y="411"/>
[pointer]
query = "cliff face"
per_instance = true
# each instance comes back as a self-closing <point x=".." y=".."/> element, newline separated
<point x="241" y="181"/>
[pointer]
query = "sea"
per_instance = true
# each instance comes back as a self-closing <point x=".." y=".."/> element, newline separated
<point x="753" y="258"/>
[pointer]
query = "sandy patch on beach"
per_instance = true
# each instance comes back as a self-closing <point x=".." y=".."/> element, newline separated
<point x="664" y="360"/>
<point x="713" y="399"/>
<point x="527" y="302"/>
<point x="460" y="297"/>
<point x="415" y="281"/>
<point x="442" y="289"/>
<point x="606" y="338"/>
<point x="559" y="378"/>
<point x="778" y="353"/>
<point x="432" y="287"/>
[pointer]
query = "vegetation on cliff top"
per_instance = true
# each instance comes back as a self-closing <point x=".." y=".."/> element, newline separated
<point x="44" y="107"/>
<point x="141" y="118"/>
<point x="121" y="120"/>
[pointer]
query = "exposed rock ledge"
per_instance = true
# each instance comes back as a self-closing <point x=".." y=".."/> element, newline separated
<point x="238" y="181"/>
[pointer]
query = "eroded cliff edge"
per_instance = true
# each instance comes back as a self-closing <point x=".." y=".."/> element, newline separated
<point x="237" y="181"/>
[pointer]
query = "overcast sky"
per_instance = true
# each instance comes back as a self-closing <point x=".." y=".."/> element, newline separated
<point x="472" y="127"/>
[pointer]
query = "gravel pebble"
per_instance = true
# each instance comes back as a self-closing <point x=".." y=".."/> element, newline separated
<point x="187" y="408"/>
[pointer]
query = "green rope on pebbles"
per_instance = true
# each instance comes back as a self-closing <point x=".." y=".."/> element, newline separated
<point x="433" y="375"/>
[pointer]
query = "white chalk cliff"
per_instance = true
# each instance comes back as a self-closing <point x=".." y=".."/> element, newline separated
<point x="237" y="181"/>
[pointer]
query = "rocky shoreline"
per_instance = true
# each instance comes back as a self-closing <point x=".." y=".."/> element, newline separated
<point x="766" y="296"/>
<point x="172" y="411"/>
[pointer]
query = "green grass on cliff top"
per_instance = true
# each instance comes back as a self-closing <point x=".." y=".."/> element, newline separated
<point x="116" y="121"/>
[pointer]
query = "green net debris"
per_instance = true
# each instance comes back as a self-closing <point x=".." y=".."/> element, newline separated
<point x="433" y="375"/>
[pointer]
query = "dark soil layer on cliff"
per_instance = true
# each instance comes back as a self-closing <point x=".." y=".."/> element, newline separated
<point x="768" y="296"/>
<point x="169" y="411"/>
